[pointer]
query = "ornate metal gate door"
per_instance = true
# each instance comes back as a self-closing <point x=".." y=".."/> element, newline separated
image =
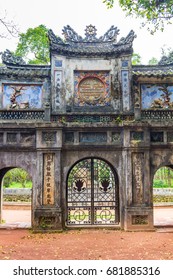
<point x="92" y="194"/>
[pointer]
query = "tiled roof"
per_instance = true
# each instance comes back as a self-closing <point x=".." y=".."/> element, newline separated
<point x="91" y="46"/>
<point x="25" y="70"/>
<point x="153" y="70"/>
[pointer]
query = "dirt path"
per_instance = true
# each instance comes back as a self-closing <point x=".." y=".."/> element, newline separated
<point x="21" y="244"/>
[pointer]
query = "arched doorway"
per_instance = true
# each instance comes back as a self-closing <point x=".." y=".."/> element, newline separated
<point x="163" y="196"/>
<point x="92" y="194"/>
<point x="16" y="198"/>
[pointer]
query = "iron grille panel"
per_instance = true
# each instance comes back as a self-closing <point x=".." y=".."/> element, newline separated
<point x="92" y="194"/>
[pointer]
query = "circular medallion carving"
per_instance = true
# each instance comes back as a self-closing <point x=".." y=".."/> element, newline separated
<point x="91" y="90"/>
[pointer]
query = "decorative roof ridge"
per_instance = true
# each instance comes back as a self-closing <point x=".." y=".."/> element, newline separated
<point x="90" y="45"/>
<point x="15" y="62"/>
<point x="71" y="36"/>
<point x="128" y="39"/>
<point x="9" y="58"/>
<point x="53" y="38"/>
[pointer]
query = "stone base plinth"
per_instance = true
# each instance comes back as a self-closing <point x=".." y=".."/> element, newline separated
<point x="47" y="219"/>
<point x="138" y="219"/>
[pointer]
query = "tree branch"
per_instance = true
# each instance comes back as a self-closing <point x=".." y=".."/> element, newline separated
<point x="10" y="26"/>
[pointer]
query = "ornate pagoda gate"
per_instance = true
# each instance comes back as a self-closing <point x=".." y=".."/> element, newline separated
<point x="92" y="194"/>
<point x="74" y="122"/>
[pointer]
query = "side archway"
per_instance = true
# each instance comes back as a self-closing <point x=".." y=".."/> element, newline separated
<point x="92" y="193"/>
<point x="16" y="197"/>
<point x="163" y="196"/>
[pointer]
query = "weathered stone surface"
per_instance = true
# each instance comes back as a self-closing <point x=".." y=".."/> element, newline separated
<point x="94" y="105"/>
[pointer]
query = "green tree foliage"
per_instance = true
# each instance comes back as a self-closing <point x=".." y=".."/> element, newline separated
<point x="33" y="45"/>
<point x="16" y="175"/>
<point x="167" y="55"/>
<point x="163" y="178"/>
<point x="153" y="61"/>
<point x="154" y="12"/>
<point x="136" y="59"/>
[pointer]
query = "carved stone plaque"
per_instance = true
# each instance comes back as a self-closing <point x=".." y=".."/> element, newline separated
<point x="138" y="167"/>
<point x="49" y="137"/>
<point x="91" y="90"/>
<point x="27" y="139"/>
<point x="49" y="183"/>
<point x="116" y="137"/>
<point x="140" y="220"/>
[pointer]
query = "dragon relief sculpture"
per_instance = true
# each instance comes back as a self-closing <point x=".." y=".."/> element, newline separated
<point x="10" y="59"/>
<point x="165" y="101"/>
<point x="17" y="92"/>
<point x="129" y="39"/>
<point x="90" y="34"/>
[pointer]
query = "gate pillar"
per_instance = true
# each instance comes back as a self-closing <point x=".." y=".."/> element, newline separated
<point x="47" y="214"/>
<point x="138" y="209"/>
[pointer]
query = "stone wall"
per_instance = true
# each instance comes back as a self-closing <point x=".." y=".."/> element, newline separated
<point x="17" y="195"/>
<point x="67" y="72"/>
<point x="92" y="103"/>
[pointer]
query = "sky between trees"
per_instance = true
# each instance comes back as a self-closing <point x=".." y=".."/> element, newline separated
<point x="77" y="13"/>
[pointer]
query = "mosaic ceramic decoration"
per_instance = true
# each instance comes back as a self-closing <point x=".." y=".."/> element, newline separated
<point x="22" y="96"/>
<point x="125" y="89"/>
<point x="58" y="83"/>
<point x="91" y="88"/>
<point x="158" y="96"/>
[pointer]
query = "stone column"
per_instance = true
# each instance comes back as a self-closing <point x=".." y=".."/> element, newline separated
<point x="138" y="215"/>
<point x="47" y="214"/>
